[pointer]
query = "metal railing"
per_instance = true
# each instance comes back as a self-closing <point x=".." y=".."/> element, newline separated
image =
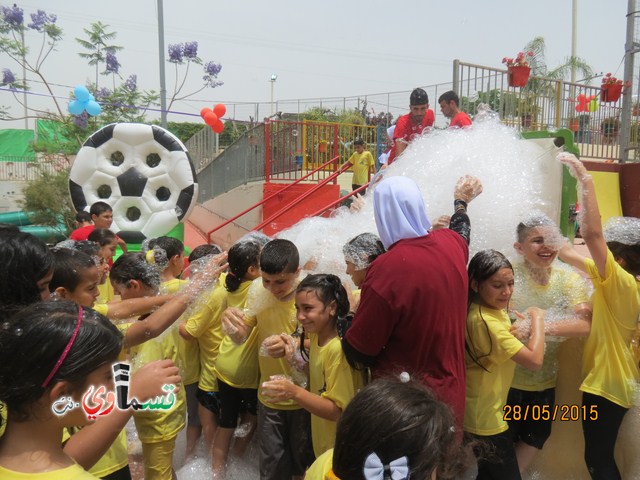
<point x="25" y="169"/>
<point x="545" y="104"/>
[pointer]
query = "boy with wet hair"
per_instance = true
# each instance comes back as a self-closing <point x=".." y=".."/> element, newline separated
<point x="284" y="428"/>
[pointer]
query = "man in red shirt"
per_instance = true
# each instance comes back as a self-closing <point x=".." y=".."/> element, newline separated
<point x="413" y="124"/>
<point x="449" y="106"/>
<point x="413" y="307"/>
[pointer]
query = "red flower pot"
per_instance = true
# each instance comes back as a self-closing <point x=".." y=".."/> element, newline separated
<point x="610" y="92"/>
<point x="518" y="76"/>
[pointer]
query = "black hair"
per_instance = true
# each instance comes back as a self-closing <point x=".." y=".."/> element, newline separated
<point x="83" y="216"/>
<point x="450" y="96"/>
<point x="133" y="266"/>
<point x="99" y="208"/>
<point x="358" y="141"/>
<point x="242" y="255"/>
<point x="33" y="342"/>
<point x="203" y="251"/>
<point x="164" y="249"/>
<point x="394" y="420"/>
<point x="279" y="256"/>
<point x="25" y="261"/>
<point x="86" y="246"/>
<point x="103" y="236"/>
<point x="483" y="266"/>
<point x="629" y="253"/>
<point x="68" y="266"/>
<point x="328" y="288"/>
<point x="418" y="97"/>
<point x="534" y="221"/>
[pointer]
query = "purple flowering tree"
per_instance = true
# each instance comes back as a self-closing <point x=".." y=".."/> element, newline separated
<point x="185" y="55"/>
<point x="12" y="30"/>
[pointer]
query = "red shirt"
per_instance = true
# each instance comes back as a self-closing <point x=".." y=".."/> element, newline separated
<point x="460" y="120"/>
<point x="82" y="233"/>
<point x="407" y="129"/>
<point x="413" y="311"/>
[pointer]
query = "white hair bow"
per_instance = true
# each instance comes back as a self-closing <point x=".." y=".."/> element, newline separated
<point x="374" y="469"/>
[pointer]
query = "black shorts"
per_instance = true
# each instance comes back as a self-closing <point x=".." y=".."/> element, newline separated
<point x="209" y="400"/>
<point x="233" y="401"/>
<point x="530" y="431"/>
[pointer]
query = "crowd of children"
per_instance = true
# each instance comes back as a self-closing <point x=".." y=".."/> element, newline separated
<point x="256" y="348"/>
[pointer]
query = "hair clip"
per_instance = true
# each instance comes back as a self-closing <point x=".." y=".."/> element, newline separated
<point x="374" y="469"/>
<point x="150" y="257"/>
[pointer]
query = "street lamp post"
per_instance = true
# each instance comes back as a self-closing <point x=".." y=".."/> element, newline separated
<point x="274" y="77"/>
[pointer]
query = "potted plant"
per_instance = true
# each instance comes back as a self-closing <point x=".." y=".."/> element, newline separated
<point x="518" y="69"/>
<point x="611" y="88"/>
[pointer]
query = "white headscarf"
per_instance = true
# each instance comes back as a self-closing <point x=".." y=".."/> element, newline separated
<point x="399" y="210"/>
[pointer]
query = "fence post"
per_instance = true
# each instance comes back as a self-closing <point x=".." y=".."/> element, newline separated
<point x="456" y="76"/>
<point x="267" y="151"/>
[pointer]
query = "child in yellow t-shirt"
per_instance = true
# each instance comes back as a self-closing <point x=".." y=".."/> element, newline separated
<point x="75" y="350"/>
<point x="283" y="427"/>
<point x="229" y="372"/>
<point x="362" y="164"/>
<point x="321" y="302"/>
<point x="491" y="356"/>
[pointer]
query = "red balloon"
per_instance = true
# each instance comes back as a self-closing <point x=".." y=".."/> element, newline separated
<point x="204" y="111"/>
<point x="210" y="119"/>
<point x="218" y="126"/>
<point x="220" y="110"/>
<point x="579" y="108"/>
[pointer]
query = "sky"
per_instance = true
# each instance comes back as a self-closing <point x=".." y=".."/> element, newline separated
<point x="332" y="48"/>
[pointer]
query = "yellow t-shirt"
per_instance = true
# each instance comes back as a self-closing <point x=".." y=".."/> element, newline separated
<point x="488" y="333"/>
<point x="361" y="162"/>
<point x="269" y="316"/>
<point x="117" y="456"/>
<point x="330" y="376"/>
<point x="237" y="365"/>
<point x="189" y="351"/>
<point x="74" y="472"/>
<point x="101" y="308"/>
<point x="154" y="425"/>
<point x="321" y="467"/>
<point x="608" y="366"/>
<point x="106" y="292"/>
<point x="565" y="290"/>
<point x="205" y="326"/>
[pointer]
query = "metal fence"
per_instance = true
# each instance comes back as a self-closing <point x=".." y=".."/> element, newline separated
<point x="25" y="169"/>
<point x="243" y="161"/>
<point x="546" y="104"/>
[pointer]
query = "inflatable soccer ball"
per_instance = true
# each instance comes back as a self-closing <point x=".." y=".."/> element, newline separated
<point x="143" y="171"/>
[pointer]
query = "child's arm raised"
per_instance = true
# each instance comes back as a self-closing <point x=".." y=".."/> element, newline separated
<point x="591" y="225"/>
<point x="133" y="307"/>
<point x="88" y="445"/>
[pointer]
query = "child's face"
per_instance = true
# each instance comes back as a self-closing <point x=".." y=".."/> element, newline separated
<point x="357" y="276"/>
<point x="103" y="267"/>
<point x="313" y="315"/>
<point x="104" y="220"/>
<point x="108" y="251"/>
<point x="135" y="289"/>
<point x="281" y="285"/>
<point x="86" y="292"/>
<point x="539" y="248"/>
<point x="359" y="148"/>
<point x="495" y="292"/>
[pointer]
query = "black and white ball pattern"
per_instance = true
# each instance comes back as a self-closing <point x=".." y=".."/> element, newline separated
<point x="143" y="171"/>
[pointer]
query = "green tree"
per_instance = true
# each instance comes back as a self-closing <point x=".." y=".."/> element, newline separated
<point x="99" y="51"/>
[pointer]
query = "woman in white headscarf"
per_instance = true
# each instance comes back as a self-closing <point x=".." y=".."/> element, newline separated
<point x="413" y="306"/>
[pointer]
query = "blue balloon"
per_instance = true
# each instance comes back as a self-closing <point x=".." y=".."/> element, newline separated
<point x="81" y="93"/>
<point x="93" y="108"/>
<point x="75" y="107"/>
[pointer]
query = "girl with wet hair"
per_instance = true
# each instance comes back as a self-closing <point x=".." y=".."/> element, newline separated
<point x="359" y="252"/>
<point x="27" y="267"/>
<point x="394" y="430"/>
<point x="321" y="302"/>
<point x="609" y="367"/>
<point x="492" y="352"/>
<point x="50" y="350"/>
